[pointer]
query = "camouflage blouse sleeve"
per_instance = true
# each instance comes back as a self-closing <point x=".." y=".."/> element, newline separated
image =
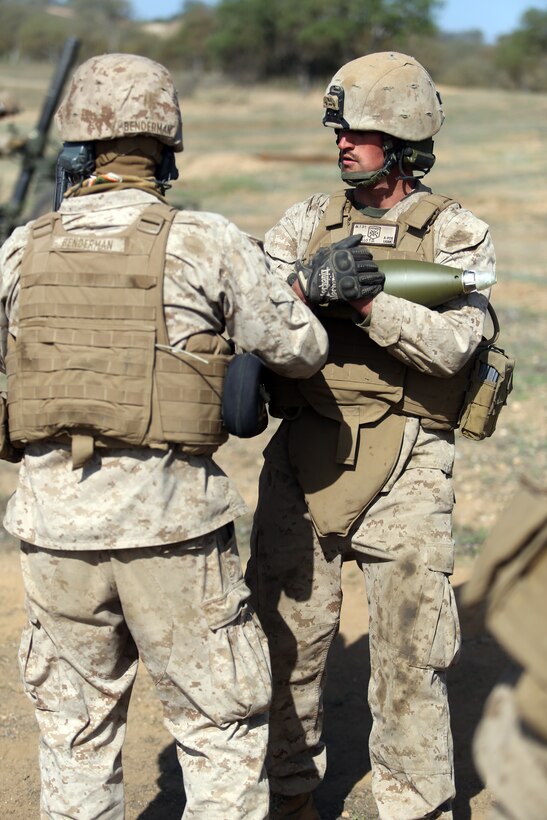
<point x="288" y="240"/>
<point x="439" y="342"/>
<point x="218" y="279"/>
<point x="262" y="313"/>
<point x="11" y="254"/>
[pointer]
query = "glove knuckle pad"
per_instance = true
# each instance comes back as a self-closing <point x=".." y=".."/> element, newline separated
<point x="342" y="261"/>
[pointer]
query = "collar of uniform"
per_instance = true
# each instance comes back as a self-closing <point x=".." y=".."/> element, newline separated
<point x="106" y="201"/>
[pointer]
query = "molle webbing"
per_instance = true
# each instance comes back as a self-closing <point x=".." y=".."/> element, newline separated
<point x="190" y="385"/>
<point x="92" y="357"/>
<point x="414" y="237"/>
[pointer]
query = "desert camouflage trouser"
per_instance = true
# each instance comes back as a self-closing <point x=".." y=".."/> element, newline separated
<point x="414" y="633"/>
<point x="511" y="759"/>
<point x="184" y="613"/>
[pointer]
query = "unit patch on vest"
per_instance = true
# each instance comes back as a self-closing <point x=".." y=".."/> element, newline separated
<point x="90" y="243"/>
<point x="376" y="234"/>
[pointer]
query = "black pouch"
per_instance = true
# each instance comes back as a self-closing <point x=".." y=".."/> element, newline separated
<point x="244" y="398"/>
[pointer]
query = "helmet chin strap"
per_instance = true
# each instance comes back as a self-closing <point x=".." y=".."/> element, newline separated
<point x="362" y="179"/>
<point x="365" y="179"/>
<point x="414" y="160"/>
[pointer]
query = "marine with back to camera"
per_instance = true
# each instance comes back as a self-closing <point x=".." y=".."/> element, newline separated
<point x="118" y="319"/>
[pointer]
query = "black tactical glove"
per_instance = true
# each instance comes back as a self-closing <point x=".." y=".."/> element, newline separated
<point x="341" y="272"/>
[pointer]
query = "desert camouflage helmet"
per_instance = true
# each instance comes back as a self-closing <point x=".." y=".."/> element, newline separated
<point x="387" y="92"/>
<point x="120" y="95"/>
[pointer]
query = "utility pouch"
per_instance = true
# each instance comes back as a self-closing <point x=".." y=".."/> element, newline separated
<point x="490" y="383"/>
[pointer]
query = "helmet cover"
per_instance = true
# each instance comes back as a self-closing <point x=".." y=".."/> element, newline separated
<point x="387" y="92"/>
<point x="120" y="95"/>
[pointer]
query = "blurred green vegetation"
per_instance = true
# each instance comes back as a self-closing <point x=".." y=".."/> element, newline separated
<point x="258" y="40"/>
<point x="469" y="540"/>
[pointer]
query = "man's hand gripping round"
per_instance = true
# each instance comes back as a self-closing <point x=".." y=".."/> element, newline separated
<point x="344" y="271"/>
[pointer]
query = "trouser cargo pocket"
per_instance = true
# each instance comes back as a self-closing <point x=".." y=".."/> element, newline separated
<point x="421" y="621"/>
<point x="39" y="665"/>
<point x="238" y="657"/>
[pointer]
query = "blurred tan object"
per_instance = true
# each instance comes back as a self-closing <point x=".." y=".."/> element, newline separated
<point x="11" y="142"/>
<point x="510" y="579"/>
<point x="8" y="104"/>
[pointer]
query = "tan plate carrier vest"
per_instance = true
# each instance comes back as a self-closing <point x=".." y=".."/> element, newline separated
<point x="345" y="448"/>
<point x="91" y="362"/>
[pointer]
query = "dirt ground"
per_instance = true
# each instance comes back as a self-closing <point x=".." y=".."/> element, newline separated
<point x="490" y="156"/>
